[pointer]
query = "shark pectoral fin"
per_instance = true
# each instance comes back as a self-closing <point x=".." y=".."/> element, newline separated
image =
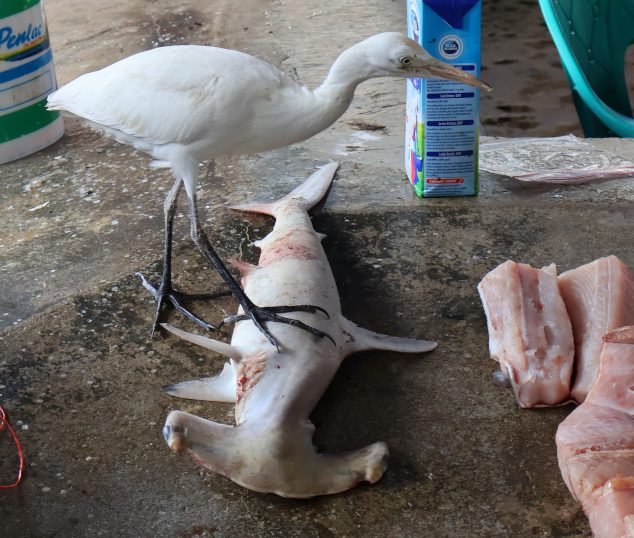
<point x="360" y="339"/>
<point x="220" y="388"/>
<point x="227" y="350"/>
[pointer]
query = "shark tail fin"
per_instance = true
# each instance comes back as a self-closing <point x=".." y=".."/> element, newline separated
<point x="308" y="194"/>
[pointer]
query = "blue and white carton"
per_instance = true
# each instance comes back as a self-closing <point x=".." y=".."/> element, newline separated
<point x="442" y="116"/>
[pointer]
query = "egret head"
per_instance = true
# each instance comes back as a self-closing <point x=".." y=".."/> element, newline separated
<point x="394" y="55"/>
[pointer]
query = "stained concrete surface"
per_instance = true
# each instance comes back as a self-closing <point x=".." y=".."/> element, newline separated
<point x="81" y="376"/>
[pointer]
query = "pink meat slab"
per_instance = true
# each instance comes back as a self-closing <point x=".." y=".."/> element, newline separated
<point x="529" y="331"/>
<point x="599" y="297"/>
<point x="595" y="444"/>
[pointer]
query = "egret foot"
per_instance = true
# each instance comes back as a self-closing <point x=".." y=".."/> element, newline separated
<point x="165" y="292"/>
<point x="259" y="315"/>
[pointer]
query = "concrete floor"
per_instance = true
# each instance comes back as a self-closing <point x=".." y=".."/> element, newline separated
<point x="81" y="377"/>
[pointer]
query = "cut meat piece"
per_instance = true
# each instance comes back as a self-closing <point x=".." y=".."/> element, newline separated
<point x="612" y="515"/>
<point x="529" y="331"/>
<point x="599" y="297"/>
<point x="595" y="444"/>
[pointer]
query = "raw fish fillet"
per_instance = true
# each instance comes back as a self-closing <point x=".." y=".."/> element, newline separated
<point x="595" y="444"/>
<point x="529" y="331"/>
<point x="599" y="297"/>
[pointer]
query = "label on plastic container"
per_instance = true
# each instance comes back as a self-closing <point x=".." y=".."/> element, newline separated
<point x="27" y="75"/>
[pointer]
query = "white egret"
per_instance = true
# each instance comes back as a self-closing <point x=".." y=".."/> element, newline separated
<point x="188" y="103"/>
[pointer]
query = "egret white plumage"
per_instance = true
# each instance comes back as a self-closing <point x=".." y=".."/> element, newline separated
<point x="188" y="103"/>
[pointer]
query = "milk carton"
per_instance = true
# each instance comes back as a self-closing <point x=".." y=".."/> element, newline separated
<point x="441" y="138"/>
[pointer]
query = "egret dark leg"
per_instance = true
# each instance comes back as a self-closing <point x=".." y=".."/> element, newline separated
<point x="257" y="314"/>
<point x="169" y="211"/>
<point x="165" y="290"/>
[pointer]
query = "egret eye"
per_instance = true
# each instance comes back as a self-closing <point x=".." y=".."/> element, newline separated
<point x="405" y="60"/>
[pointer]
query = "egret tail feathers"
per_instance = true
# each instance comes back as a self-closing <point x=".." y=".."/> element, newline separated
<point x="308" y="194"/>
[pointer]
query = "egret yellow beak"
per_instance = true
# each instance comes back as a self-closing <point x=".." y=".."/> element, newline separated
<point x="432" y="68"/>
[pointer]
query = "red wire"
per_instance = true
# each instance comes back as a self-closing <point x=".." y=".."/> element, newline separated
<point x="4" y="421"/>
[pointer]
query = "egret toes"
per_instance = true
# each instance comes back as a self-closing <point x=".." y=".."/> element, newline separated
<point x="259" y="315"/>
<point x="165" y="292"/>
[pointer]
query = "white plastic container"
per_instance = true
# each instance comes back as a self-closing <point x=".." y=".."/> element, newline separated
<point x="27" y="77"/>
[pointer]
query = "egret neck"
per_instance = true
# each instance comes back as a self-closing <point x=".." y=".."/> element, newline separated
<point x="349" y="70"/>
<point x="298" y="112"/>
